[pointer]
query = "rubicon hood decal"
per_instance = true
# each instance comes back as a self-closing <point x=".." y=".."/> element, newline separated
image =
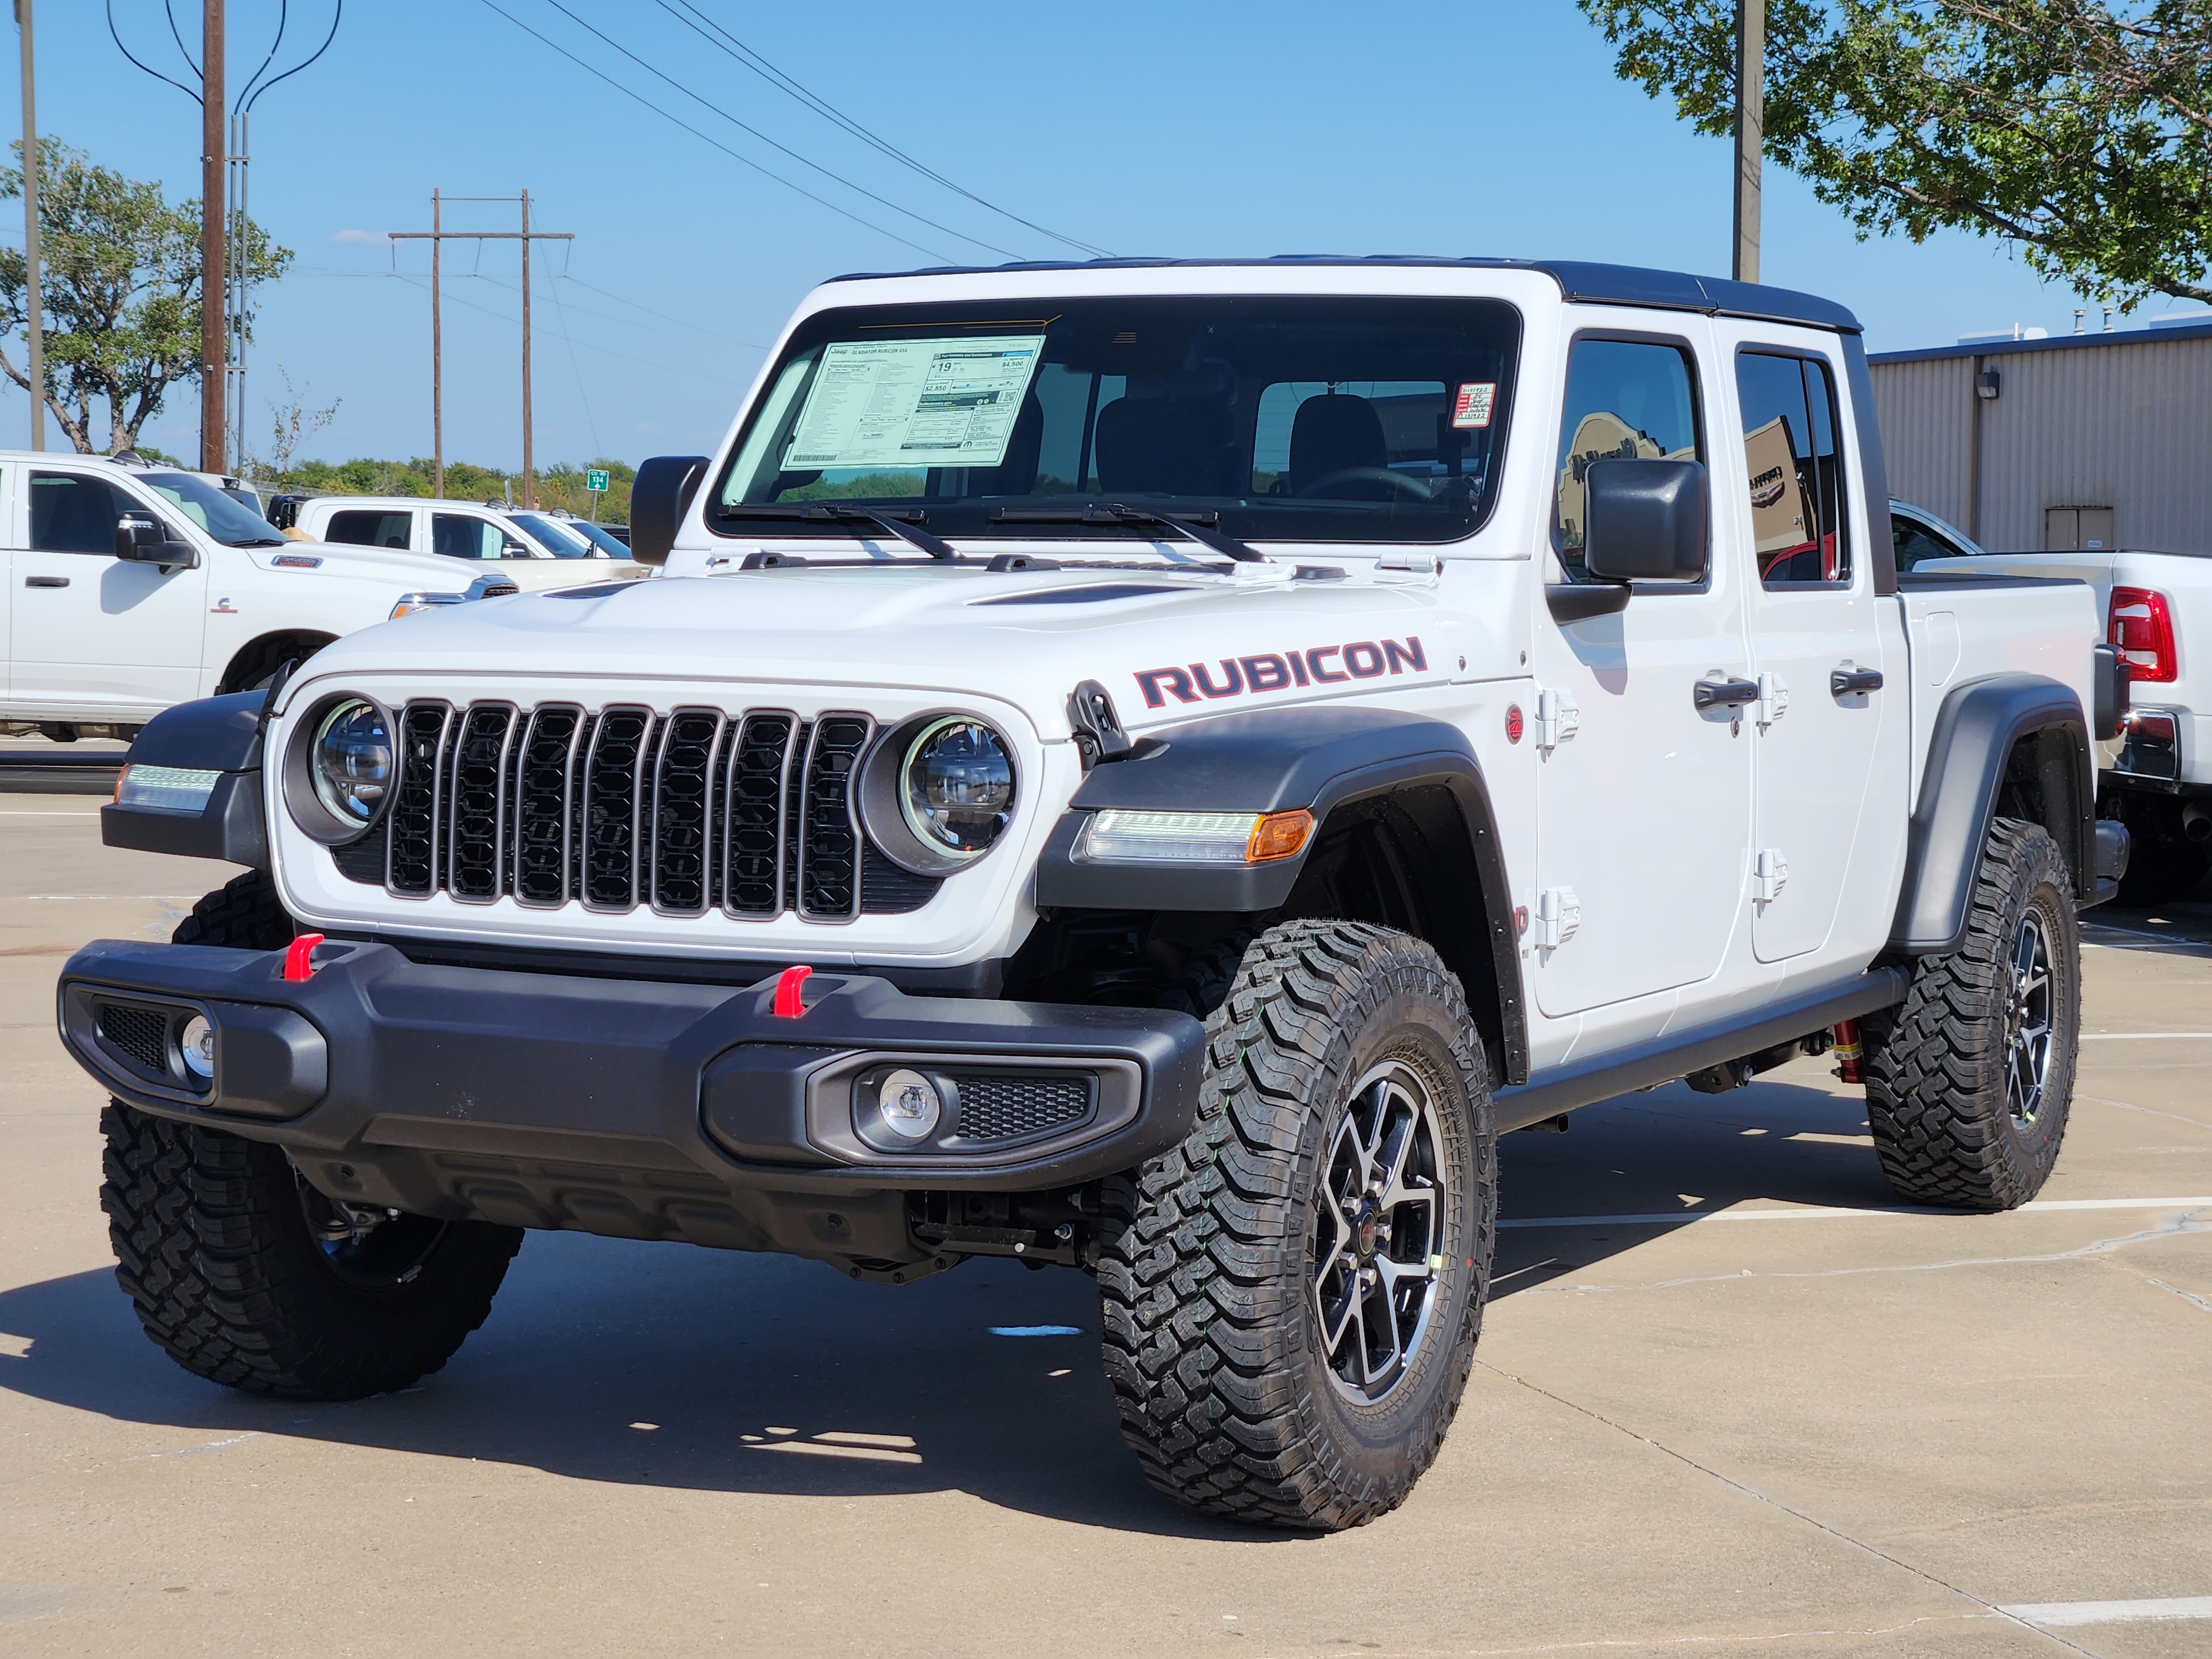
<point x="1272" y="670"/>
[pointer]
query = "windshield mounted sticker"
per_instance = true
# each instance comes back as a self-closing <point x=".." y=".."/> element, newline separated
<point x="1472" y="406"/>
<point x="926" y="402"/>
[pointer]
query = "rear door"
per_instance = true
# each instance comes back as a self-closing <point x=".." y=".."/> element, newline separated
<point x="1826" y="819"/>
<point x="92" y="636"/>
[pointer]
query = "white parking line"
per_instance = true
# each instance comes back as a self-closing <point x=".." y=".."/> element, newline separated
<point x="1817" y="1212"/>
<point x="2056" y="1614"/>
<point x="2145" y="1036"/>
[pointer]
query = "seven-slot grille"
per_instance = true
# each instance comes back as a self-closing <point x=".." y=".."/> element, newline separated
<point x="692" y="811"/>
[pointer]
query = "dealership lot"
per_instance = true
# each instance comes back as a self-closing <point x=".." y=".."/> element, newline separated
<point x="1804" y="1426"/>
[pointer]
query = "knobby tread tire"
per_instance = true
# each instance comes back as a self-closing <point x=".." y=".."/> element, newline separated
<point x="243" y="912"/>
<point x="1209" y="1341"/>
<point x="1935" y="1065"/>
<point x="213" y="1248"/>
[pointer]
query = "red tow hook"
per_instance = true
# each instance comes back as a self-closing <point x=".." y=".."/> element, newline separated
<point x="300" y="959"/>
<point x="788" y="1005"/>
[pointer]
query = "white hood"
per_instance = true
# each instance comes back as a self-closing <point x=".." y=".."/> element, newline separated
<point x="1168" y="644"/>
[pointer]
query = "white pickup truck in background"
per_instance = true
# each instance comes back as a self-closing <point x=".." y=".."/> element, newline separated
<point x="516" y="536"/>
<point x="2157" y="780"/>
<point x="133" y="586"/>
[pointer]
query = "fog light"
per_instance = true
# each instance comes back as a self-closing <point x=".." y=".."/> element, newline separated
<point x="908" y="1106"/>
<point x="195" y="1045"/>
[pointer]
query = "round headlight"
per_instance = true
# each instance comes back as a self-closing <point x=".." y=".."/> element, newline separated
<point x="351" y="760"/>
<point x="958" y="786"/>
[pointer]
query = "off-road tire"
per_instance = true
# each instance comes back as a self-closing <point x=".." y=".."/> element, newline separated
<point x="243" y="912"/>
<point x="1943" y="1125"/>
<point x="1211" y="1342"/>
<point x="213" y="1246"/>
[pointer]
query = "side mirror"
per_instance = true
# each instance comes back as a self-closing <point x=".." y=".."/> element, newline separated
<point x="1646" y="521"/>
<point x="658" y="502"/>
<point x="142" y="538"/>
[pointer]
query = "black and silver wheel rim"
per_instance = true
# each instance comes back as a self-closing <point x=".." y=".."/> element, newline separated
<point x="1378" y="1233"/>
<point x="367" y="1247"/>
<point x="2029" y="1024"/>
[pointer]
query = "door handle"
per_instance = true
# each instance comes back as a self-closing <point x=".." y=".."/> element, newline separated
<point x="1851" y="681"/>
<point x="45" y="581"/>
<point x="1724" y="693"/>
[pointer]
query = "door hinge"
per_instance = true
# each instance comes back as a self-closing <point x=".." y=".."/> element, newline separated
<point x="1773" y="699"/>
<point x="1559" y="913"/>
<point x="1770" y="873"/>
<point x="1559" y="717"/>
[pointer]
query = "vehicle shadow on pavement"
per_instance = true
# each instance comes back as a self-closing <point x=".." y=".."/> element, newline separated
<point x="661" y="1364"/>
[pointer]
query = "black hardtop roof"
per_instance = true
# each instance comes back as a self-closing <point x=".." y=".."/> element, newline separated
<point x="1580" y="283"/>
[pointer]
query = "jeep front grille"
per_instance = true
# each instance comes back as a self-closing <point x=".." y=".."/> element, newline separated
<point x="751" y="814"/>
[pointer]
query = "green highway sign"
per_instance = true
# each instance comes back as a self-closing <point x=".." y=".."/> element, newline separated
<point x="596" y="481"/>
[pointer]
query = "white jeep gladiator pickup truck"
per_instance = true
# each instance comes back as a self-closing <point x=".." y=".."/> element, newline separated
<point x="133" y="586"/>
<point x="2158" y="779"/>
<point x="1149" y="767"/>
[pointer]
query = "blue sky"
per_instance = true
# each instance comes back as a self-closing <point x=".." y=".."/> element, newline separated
<point x="1144" y="127"/>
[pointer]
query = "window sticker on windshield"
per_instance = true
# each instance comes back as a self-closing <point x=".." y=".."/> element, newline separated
<point x="1472" y="406"/>
<point x="915" y="403"/>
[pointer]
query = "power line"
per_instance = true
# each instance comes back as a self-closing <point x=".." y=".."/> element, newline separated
<point x="713" y="109"/>
<point x="640" y="98"/>
<point x="621" y="301"/>
<point x="775" y="77"/>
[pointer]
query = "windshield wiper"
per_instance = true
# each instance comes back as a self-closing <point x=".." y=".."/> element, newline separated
<point x="818" y="511"/>
<point x="1197" y="527"/>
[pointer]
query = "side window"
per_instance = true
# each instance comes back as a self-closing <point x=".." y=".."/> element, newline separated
<point x="362" y="528"/>
<point x="1626" y="400"/>
<point x="75" y="514"/>
<point x="1916" y="541"/>
<point x="1798" y="524"/>
<point x="458" y="536"/>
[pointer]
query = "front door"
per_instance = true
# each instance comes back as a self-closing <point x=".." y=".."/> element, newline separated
<point x="91" y="636"/>
<point x="1827" y="685"/>
<point x="1643" y="799"/>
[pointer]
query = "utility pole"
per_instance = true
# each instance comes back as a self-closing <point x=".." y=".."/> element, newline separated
<point x="214" y="268"/>
<point x="437" y="236"/>
<point x="33" y="299"/>
<point x="1750" y="133"/>
<point x="529" y="471"/>
<point x="437" y="353"/>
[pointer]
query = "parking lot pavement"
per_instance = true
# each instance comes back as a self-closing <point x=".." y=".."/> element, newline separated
<point x="1809" y="1424"/>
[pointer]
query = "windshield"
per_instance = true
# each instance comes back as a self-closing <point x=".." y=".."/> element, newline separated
<point x="609" y="545"/>
<point x="1273" y="419"/>
<point x="211" y="510"/>
<point x="555" y="536"/>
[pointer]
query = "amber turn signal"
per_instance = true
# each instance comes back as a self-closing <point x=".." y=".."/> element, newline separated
<point x="1279" y="835"/>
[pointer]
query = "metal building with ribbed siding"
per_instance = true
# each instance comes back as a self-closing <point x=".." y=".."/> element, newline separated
<point x="2084" y="441"/>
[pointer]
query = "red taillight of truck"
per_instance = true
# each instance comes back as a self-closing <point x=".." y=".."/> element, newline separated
<point x="2142" y="625"/>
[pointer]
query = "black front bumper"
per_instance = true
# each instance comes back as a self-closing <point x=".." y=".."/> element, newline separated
<point x="641" y="1110"/>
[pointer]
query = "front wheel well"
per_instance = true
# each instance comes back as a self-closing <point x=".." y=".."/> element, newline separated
<point x="257" y="659"/>
<point x="1405" y="860"/>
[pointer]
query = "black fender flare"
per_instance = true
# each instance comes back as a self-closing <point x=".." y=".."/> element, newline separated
<point x="1977" y="729"/>
<point x="1278" y="760"/>
<point x="212" y="734"/>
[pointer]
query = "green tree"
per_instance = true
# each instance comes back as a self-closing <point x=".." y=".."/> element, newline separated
<point x="2080" y="131"/>
<point x="121" y="285"/>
